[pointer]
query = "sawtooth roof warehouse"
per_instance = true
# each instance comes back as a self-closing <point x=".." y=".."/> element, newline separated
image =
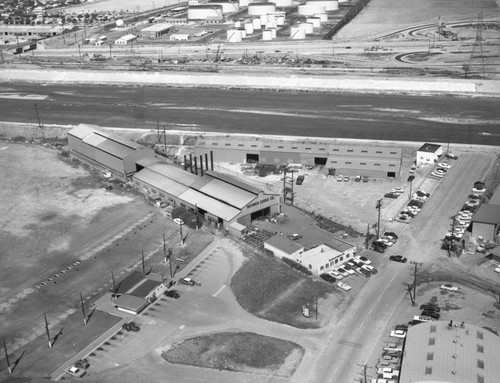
<point x="219" y="198"/>
<point x="364" y="160"/>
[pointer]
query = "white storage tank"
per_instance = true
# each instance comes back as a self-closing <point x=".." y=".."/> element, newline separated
<point x="244" y="3"/>
<point x="271" y="24"/>
<point x="227" y="6"/>
<point x="322" y="16"/>
<point x="263" y="19"/>
<point x="267" y="35"/>
<point x="202" y="12"/>
<point x="233" y="36"/>
<point x="243" y="32"/>
<point x="237" y="24"/>
<point x="256" y="24"/>
<point x="297" y="33"/>
<point x="258" y="9"/>
<point x="249" y="28"/>
<point x="311" y="9"/>
<point x="315" y="21"/>
<point x="307" y="27"/>
<point x="273" y="32"/>
<point x="283" y="3"/>
<point x="330" y="5"/>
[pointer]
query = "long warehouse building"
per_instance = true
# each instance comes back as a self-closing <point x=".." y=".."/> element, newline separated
<point x="365" y="160"/>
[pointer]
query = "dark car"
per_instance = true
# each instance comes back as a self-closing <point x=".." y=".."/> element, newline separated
<point x="82" y="364"/>
<point x="300" y="180"/>
<point x="172" y="294"/>
<point x="430" y="307"/>
<point x="401" y="327"/>
<point x="381" y="244"/>
<point x="391" y="195"/>
<point x="365" y="178"/>
<point x="398" y="258"/>
<point x="451" y="156"/>
<point x="378" y="249"/>
<point x="131" y="327"/>
<point x="432" y="314"/>
<point x="390" y="234"/>
<point x="329" y="278"/>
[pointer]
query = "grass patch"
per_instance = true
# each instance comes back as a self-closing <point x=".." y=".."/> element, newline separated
<point x="271" y="290"/>
<point x="242" y="351"/>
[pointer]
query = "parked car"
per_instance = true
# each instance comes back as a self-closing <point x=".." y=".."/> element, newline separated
<point x="346" y="178"/>
<point x="328" y="278"/>
<point x="76" y="372"/>
<point x="131" y="326"/>
<point x="380" y="244"/>
<point x="451" y="156"/>
<point x="365" y="260"/>
<point x="365" y="178"/>
<point x="300" y="180"/>
<point x="348" y="268"/>
<point x="398" y="334"/>
<point x="390" y="234"/>
<point x="386" y="241"/>
<point x="357" y="179"/>
<point x="378" y="249"/>
<point x="172" y="294"/>
<point x="343" y="286"/>
<point x="178" y="221"/>
<point x="401" y="327"/>
<point x="432" y="314"/>
<point x="336" y="274"/>
<point x="82" y="364"/>
<point x="421" y="319"/>
<point x="391" y="195"/>
<point x="449" y="287"/>
<point x="187" y="281"/>
<point x="398" y="258"/>
<point x="343" y="271"/>
<point x="370" y="268"/>
<point x="445" y="165"/>
<point x="340" y="178"/>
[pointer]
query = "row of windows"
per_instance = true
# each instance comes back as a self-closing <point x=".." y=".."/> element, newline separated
<point x="333" y="262"/>
<point x="361" y="163"/>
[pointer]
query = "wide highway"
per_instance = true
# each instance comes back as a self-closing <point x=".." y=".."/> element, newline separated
<point x="334" y="115"/>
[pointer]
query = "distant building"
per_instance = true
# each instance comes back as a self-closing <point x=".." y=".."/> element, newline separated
<point x="450" y="352"/>
<point x="429" y="154"/>
<point x="155" y="31"/>
<point x="180" y="37"/>
<point x="125" y="40"/>
<point x="486" y="222"/>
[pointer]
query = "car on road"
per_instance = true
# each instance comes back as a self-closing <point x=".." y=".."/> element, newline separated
<point x="445" y="165"/>
<point x="187" y="281"/>
<point x="131" y="326"/>
<point x="398" y="334"/>
<point x="178" y="221"/>
<point x="398" y="258"/>
<point x="328" y="278"/>
<point x="391" y="195"/>
<point x="300" y="180"/>
<point x="172" y="294"/>
<point x="76" y="372"/>
<point x="344" y="286"/>
<point x="449" y="287"/>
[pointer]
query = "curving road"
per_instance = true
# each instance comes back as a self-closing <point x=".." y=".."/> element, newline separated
<point x="334" y="115"/>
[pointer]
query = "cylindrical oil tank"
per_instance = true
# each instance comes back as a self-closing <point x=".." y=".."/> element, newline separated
<point x="282" y="3"/>
<point x="233" y="36"/>
<point x="280" y="20"/>
<point x="307" y="27"/>
<point x="330" y="5"/>
<point x="311" y="9"/>
<point x="237" y="24"/>
<point x="263" y="19"/>
<point x="267" y="35"/>
<point x="256" y="24"/>
<point x="244" y="3"/>
<point x="315" y="21"/>
<point x="322" y="16"/>
<point x="202" y="12"/>
<point x="343" y="1"/>
<point x="297" y="33"/>
<point x="243" y="32"/>
<point x="227" y="6"/>
<point x="271" y="24"/>
<point x="273" y="32"/>
<point x="249" y="28"/>
<point x="261" y="9"/>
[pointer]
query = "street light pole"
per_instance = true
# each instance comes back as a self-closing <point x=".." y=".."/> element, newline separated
<point x="378" y="206"/>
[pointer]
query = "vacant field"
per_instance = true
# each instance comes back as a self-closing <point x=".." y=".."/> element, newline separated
<point x="122" y="5"/>
<point x="243" y="351"/>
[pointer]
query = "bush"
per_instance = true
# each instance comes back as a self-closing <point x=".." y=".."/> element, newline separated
<point x="297" y="266"/>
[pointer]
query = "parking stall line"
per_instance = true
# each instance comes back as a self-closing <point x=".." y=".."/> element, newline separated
<point x="218" y="291"/>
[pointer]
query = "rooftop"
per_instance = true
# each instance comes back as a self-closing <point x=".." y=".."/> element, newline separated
<point x="284" y="244"/>
<point x="157" y="27"/>
<point x="339" y="244"/>
<point x="321" y="254"/>
<point x="429" y="148"/>
<point x="487" y="213"/>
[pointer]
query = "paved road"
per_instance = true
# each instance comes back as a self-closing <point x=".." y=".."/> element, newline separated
<point x="337" y="115"/>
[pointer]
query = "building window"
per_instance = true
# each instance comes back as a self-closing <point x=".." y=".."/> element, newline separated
<point x="294" y="147"/>
<point x="428" y="370"/>
<point x="333" y="162"/>
<point x="254" y="146"/>
<point x="348" y="163"/>
<point x="432" y="341"/>
<point x="171" y="199"/>
<point x="433" y="328"/>
<point x="480" y="364"/>
<point x="241" y="145"/>
<point x="362" y="163"/>
<point x="350" y="150"/>
<point x="364" y="151"/>
<point x="335" y="150"/>
<point x="376" y="164"/>
<point x="280" y="147"/>
<point x="480" y="335"/>
<point x="480" y="378"/>
<point x="391" y="165"/>
<point x="162" y="195"/>
<point x="215" y="143"/>
<point x="394" y="153"/>
<point x="347" y="255"/>
<point x="321" y="148"/>
<point x="341" y="258"/>
<point x="228" y="144"/>
<point x="480" y="348"/>
<point x="310" y="266"/>
<point x="308" y="148"/>
<point x="322" y="267"/>
<point x="336" y="261"/>
<point x="267" y="146"/>
<point x="378" y="152"/>
<point x="430" y="356"/>
<point x="183" y="204"/>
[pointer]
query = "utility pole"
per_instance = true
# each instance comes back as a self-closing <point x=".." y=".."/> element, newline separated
<point x="197" y="216"/>
<point x="113" y="279"/>
<point x="143" y="267"/>
<point x="83" y="310"/>
<point x="158" y="129"/>
<point x="164" y="249"/>
<point x="365" y="368"/>
<point x="411" y="184"/>
<point x="378" y="206"/>
<point x="164" y="140"/>
<point x="7" y="357"/>
<point x="410" y="292"/>
<point x="47" y="330"/>
<point x="450" y="244"/>
<point x="180" y="232"/>
<point x="367" y="235"/>
<point x="38" y="117"/>
<point x="415" y="274"/>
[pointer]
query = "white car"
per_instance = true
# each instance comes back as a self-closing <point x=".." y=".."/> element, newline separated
<point x="465" y="214"/>
<point x="497" y="269"/>
<point x="386" y="241"/>
<point x="343" y="271"/>
<point x="370" y="268"/>
<point x="398" y="334"/>
<point x="343" y="286"/>
<point x="336" y="274"/>
<point x="444" y="165"/>
<point x="437" y="175"/>
<point x="178" y="221"/>
<point x="478" y="191"/>
<point x="364" y="260"/>
<point x="76" y="372"/>
<point x="449" y="287"/>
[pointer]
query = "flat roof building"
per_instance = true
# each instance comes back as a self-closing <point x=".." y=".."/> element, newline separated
<point x="156" y="30"/>
<point x="281" y="247"/>
<point x="450" y="352"/>
<point x="429" y="154"/>
<point x="370" y="160"/>
<point x="125" y="40"/>
<point x="486" y="222"/>
<point x="106" y="151"/>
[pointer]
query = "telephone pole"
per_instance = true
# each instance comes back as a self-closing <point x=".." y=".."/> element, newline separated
<point x="365" y="367"/>
<point x="83" y="310"/>
<point x="143" y="267"/>
<point x="409" y="288"/>
<point x="47" y="330"/>
<point x="378" y="206"/>
<point x="7" y="357"/>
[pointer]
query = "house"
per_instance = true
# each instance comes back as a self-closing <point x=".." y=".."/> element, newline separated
<point x="429" y="154"/>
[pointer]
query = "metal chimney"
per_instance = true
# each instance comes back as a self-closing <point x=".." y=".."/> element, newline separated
<point x="185" y="163"/>
<point x="195" y="166"/>
<point x="211" y="160"/>
<point x="206" y="161"/>
<point x="191" y="162"/>
<point x="201" y="165"/>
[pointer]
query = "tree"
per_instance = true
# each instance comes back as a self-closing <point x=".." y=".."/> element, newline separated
<point x="466" y="69"/>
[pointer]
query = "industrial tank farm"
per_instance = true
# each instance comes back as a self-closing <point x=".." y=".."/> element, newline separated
<point x="258" y="9"/>
<point x="202" y="12"/>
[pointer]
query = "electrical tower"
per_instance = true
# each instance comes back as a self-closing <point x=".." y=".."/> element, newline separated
<point x="478" y="44"/>
<point x="288" y="187"/>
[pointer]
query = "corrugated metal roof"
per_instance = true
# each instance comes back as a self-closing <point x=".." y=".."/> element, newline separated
<point x="109" y="146"/>
<point x="429" y="148"/>
<point x="235" y="182"/>
<point x="232" y="195"/>
<point x="487" y="213"/>
<point x="145" y="288"/>
<point x="128" y="282"/>
<point x="176" y="174"/>
<point x="339" y="245"/>
<point x="81" y="131"/>
<point x="284" y="244"/>
<point x="131" y="302"/>
<point x="161" y="182"/>
<point x="157" y="28"/>
<point x="209" y="204"/>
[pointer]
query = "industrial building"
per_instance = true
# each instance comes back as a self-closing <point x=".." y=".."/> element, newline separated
<point x="318" y="260"/>
<point x="125" y="40"/>
<point x="370" y="159"/>
<point x="135" y="292"/>
<point x="429" y="154"/>
<point x="450" y="352"/>
<point x="486" y="222"/>
<point x="218" y="198"/>
<point x="106" y="151"/>
<point x="155" y="31"/>
<point x="205" y="12"/>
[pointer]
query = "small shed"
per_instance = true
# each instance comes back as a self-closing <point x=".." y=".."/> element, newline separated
<point x="429" y="154"/>
<point x="236" y="229"/>
<point x="125" y="40"/>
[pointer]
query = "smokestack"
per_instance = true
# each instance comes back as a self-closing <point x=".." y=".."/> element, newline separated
<point x="185" y="163"/>
<point x="206" y="161"/>
<point x="211" y="160"/>
<point x="195" y="166"/>
<point x="191" y="162"/>
<point x="201" y="165"/>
